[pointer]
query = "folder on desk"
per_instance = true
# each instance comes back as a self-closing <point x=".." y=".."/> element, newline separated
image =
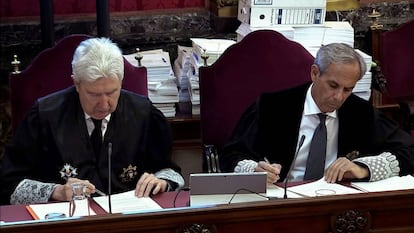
<point x="39" y="211"/>
<point x="225" y="188"/>
<point x="389" y="184"/>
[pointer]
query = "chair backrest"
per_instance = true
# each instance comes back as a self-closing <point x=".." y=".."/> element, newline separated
<point x="51" y="71"/>
<point x="397" y="61"/>
<point x="262" y="61"/>
<point x="397" y="65"/>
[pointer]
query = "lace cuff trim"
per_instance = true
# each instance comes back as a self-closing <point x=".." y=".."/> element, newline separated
<point x="31" y="191"/>
<point x="245" y="166"/>
<point x="381" y="166"/>
<point x="171" y="175"/>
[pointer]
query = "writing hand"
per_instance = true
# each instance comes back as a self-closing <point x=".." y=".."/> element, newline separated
<point x="273" y="170"/>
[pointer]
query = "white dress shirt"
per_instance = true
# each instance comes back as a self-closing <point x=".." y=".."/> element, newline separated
<point x="309" y="122"/>
<point x="91" y="126"/>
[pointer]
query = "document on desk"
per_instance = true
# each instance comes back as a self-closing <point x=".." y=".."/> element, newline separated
<point x="322" y="188"/>
<point x="390" y="184"/>
<point x="39" y="211"/>
<point x="278" y="192"/>
<point x="127" y="202"/>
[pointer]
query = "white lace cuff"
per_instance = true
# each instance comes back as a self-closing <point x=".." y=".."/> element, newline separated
<point x="32" y="191"/>
<point x="171" y="175"/>
<point x="245" y="166"/>
<point x="381" y="166"/>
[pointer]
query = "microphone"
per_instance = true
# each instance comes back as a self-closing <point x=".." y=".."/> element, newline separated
<point x="109" y="176"/>
<point x="302" y="139"/>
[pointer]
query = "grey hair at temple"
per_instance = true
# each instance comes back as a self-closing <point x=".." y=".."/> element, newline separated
<point x="339" y="53"/>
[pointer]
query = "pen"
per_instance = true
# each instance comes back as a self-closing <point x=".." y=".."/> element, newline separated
<point x="100" y="192"/>
<point x="266" y="160"/>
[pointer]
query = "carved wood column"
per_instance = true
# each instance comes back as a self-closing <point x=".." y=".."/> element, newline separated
<point x="378" y="80"/>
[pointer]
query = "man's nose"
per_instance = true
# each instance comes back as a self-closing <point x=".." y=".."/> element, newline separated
<point x="339" y="95"/>
<point x="103" y="100"/>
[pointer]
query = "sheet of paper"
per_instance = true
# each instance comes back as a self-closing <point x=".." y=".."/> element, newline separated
<point x="322" y="188"/>
<point x="390" y="184"/>
<point x="39" y="211"/>
<point x="127" y="202"/>
<point x="276" y="191"/>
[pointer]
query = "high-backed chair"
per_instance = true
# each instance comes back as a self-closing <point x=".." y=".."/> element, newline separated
<point x="51" y="71"/>
<point x="263" y="61"/>
<point x="397" y="64"/>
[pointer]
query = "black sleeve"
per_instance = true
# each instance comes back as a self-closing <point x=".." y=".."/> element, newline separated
<point x="20" y="158"/>
<point x="160" y="141"/>
<point x="243" y="142"/>
<point x="391" y="138"/>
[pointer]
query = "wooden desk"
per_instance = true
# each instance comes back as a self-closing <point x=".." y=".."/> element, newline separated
<point x="185" y="126"/>
<point x="373" y="212"/>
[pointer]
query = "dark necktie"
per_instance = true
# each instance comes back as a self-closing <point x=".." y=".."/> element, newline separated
<point x="96" y="137"/>
<point x="315" y="165"/>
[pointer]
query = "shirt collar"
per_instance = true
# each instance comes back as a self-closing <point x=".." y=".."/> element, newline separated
<point x="106" y="119"/>
<point x="310" y="107"/>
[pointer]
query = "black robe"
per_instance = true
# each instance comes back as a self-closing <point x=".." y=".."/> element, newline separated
<point x="270" y="128"/>
<point x="54" y="133"/>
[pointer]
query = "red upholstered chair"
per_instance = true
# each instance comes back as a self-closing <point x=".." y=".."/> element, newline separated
<point x="263" y="61"/>
<point x="51" y="71"/>
<point x="397" y="64"/>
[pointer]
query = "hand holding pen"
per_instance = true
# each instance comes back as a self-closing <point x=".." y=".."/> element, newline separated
<point x="272" y="169"/>
<point x="69" y="174"/>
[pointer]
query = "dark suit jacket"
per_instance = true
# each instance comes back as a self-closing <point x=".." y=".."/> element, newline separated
<point x="270" y="128"/>
<point x="54" y="133"/>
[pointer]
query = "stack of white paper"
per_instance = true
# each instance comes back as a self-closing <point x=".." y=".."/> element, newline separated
<point x="363" y="86"/>
<point x="181" y="69"/>
<point x="162" y="86"/>
<point x="164" y="95"/>
<point x="309" y="36"/>
<point x="245" y="29"/>
<point x="339" y="32"/>
<point x="329" y="32"/>
<point x="194" y="90"/>
<point x="213" y="48"/>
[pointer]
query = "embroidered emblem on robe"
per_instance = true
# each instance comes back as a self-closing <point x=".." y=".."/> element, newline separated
<point x="68" y="172"/>
<point x="128" y="174"/>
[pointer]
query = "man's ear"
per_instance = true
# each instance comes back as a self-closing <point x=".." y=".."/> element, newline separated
<point x="314" y="72"/>
<point x="75" y="83"/>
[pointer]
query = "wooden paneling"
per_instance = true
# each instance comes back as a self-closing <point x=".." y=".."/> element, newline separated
<point x="370" y="212"/>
